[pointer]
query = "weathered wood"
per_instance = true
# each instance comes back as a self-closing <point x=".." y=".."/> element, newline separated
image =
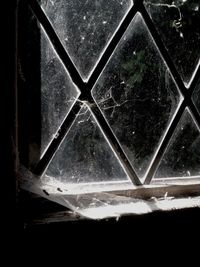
<point x="147" y="192"/>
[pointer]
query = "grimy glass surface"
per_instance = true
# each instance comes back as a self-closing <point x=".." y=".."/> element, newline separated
<point x="85" y="27"/>
<point x="137" y="95"/>
<point x="85" y="155"/>
<point x="182" y="156"/>
<point x="58" y="93"/>
<point x="123" y="125"/>
<point x="178" y="23"/>
<point x="196" y="96"/>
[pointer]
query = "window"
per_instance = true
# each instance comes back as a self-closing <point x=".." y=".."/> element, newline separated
<point x="109" y="104"/>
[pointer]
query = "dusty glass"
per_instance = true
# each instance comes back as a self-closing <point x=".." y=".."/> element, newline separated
<point x="178" y="23"/>
<point x="196" y="96"/>
<point x="137" y="95"/>
<point x="85" y="155"/>
<point x="182" y="156"/>
<point x="85" y="27"/>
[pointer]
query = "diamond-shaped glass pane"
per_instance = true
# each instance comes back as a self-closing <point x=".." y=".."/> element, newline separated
<point x="85" y="154"/>
<point x="137" y="95"/>
<point x="196" y="96"/>
<point x="182" y="156"/>
<point x="85" y="27"/>
<point x="178" y="22"/>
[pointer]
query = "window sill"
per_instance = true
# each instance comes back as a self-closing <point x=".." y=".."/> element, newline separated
<point x="100" y="203"/>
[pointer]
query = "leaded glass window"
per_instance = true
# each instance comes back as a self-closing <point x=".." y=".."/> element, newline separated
<point x="108" y="101"/>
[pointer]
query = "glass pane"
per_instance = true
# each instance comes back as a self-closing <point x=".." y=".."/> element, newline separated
<point x="178" y="22"/>
<point x="58" y="92"/>
<point x="182" y="156"/>
<point x="85" y="154"/>
<point x="85" y="27"/>
<point x="196" y="96"/>
<point x="137" y="95"/>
